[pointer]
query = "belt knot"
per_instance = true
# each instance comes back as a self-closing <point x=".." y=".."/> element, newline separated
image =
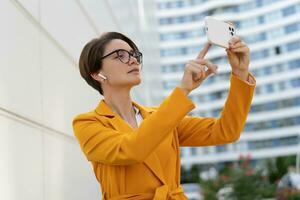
<point x="164" y="193"/>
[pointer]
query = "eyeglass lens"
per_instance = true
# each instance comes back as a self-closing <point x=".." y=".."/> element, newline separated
<point x="124" y="56"/>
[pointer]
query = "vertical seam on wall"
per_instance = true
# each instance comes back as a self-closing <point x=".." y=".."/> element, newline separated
<point x="89" y="19"/>
<point x="112" y="14"/>
<point x="42" y="100"/>
<point x="37" y="24"/>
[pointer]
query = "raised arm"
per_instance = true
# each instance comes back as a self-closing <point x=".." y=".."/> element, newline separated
<point x="203" y="131"/>
<point x="105" y="145"/>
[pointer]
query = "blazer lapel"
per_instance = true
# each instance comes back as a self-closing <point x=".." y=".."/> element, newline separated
<point x="152" y="161"/>
<point x="113" y="118"/>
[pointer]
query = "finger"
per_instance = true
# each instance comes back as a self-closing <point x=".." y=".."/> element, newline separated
<point x="230" y="54"/>
<point x="197" y="70"/>
<point x="202" y="74"/>
<point x="208" y="72"/>
<point x="231" y="23"/>
<point x="237" y="45"/>
<point x="204" y="50"/>
<point x="194" y="68"/>
<point x="208" y="64"/>
<point x="197" y="64"/>
<point x="199" y="77"/>
<point x="203" y="66"/>
<point x="243" y="49"/>
<point x="234" y="39"/>
<point x="193" y="63"/>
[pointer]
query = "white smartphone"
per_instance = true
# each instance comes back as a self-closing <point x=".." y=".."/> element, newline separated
<point x="218" y="32"/>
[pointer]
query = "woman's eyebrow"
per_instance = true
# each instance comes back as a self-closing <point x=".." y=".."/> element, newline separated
<point x="129" y="50"/>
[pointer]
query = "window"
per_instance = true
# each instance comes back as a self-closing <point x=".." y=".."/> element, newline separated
<point x="288" y="11"/>
<point x="270" y="88"/>
<point x="279" y="68"/>
<point x="295" y="82"/>
<point x="293" y="46"/>
<point x="291" y="28"/>
<point x="259" y="54"/>
<point x="275" y="33"/>
<point x="292" y="121"/>
<point x="221" y="148"/>
<point x="193" y="151"/>
<point x="272" y="16"/>
<point x="249" y="22"/>
<point x="266" y="70"/>
<point x="271" y="106"/>
<point x="297" y="101"/>
<point x="255" y="38"/>
<point x="165" y="21"/>
<point x="294" y="64"/>
<point x="170" y="84"/>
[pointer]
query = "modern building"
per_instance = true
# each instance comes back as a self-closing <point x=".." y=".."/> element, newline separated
<point x="271" y="28"/>
<point x="41" y="90"/>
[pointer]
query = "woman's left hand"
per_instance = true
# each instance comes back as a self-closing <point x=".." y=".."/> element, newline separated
<point x="238" y="55"/>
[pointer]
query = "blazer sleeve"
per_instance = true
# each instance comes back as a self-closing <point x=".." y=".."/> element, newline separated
<point x="109" y="146"/>
<point x="205" y="131"/>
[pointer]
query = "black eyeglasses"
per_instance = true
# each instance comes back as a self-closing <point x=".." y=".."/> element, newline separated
<point x="124" y="55"/>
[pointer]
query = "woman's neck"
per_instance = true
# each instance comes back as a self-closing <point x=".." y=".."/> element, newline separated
<point x="121" y="103"/>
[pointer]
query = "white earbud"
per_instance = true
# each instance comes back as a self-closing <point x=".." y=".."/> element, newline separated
<point x="102" y="76"/>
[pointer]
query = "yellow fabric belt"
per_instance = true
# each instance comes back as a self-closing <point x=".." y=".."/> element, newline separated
<point x="161" y="193"/>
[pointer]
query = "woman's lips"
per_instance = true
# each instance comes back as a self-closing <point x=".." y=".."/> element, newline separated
<point x="134" y="70"/>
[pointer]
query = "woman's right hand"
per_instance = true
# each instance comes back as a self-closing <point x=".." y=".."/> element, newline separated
<point x="194" y="72"/>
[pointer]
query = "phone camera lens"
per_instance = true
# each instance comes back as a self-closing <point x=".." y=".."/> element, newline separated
<point x="230" y="29"/>
<point x="231" y="33"/>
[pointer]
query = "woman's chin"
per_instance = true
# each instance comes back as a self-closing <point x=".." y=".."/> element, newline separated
<point x="137" y="81"/>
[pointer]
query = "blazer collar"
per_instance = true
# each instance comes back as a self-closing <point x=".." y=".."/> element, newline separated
<point x="152" y="161"/>
<point x="104" y="110"/>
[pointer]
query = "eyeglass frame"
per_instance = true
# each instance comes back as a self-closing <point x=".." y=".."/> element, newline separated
<point x="139" y="54"/>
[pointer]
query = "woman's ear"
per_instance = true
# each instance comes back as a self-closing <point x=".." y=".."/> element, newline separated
<point x="96" y="77"/>
<point x="103" y="77"/>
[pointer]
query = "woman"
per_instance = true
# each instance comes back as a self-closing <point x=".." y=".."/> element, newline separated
<point x="134" y="149"/>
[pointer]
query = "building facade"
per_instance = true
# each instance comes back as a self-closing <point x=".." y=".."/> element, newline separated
<point x="271" y="29"/>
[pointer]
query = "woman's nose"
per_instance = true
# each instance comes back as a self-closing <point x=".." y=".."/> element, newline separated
<point x="133" y="60"/>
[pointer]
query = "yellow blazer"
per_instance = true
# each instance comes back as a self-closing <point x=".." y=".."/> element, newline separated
<point x="144" y="163"/>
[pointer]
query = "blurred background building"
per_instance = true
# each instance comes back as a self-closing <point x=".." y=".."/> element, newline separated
<point x="41" y="89"/>
<point x="271" y="29"/>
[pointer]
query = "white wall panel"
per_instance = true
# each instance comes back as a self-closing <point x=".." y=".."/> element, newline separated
<point x="101" y="14"/>
<point x="64" y="92"/>
<point x="32" y="6"/>
<point x="67" y="24"/>
<point x="41" y="91"/>
<point x="68" y="175"/>
<point x="19" y="61"/>
<point x="21" y="166"/>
